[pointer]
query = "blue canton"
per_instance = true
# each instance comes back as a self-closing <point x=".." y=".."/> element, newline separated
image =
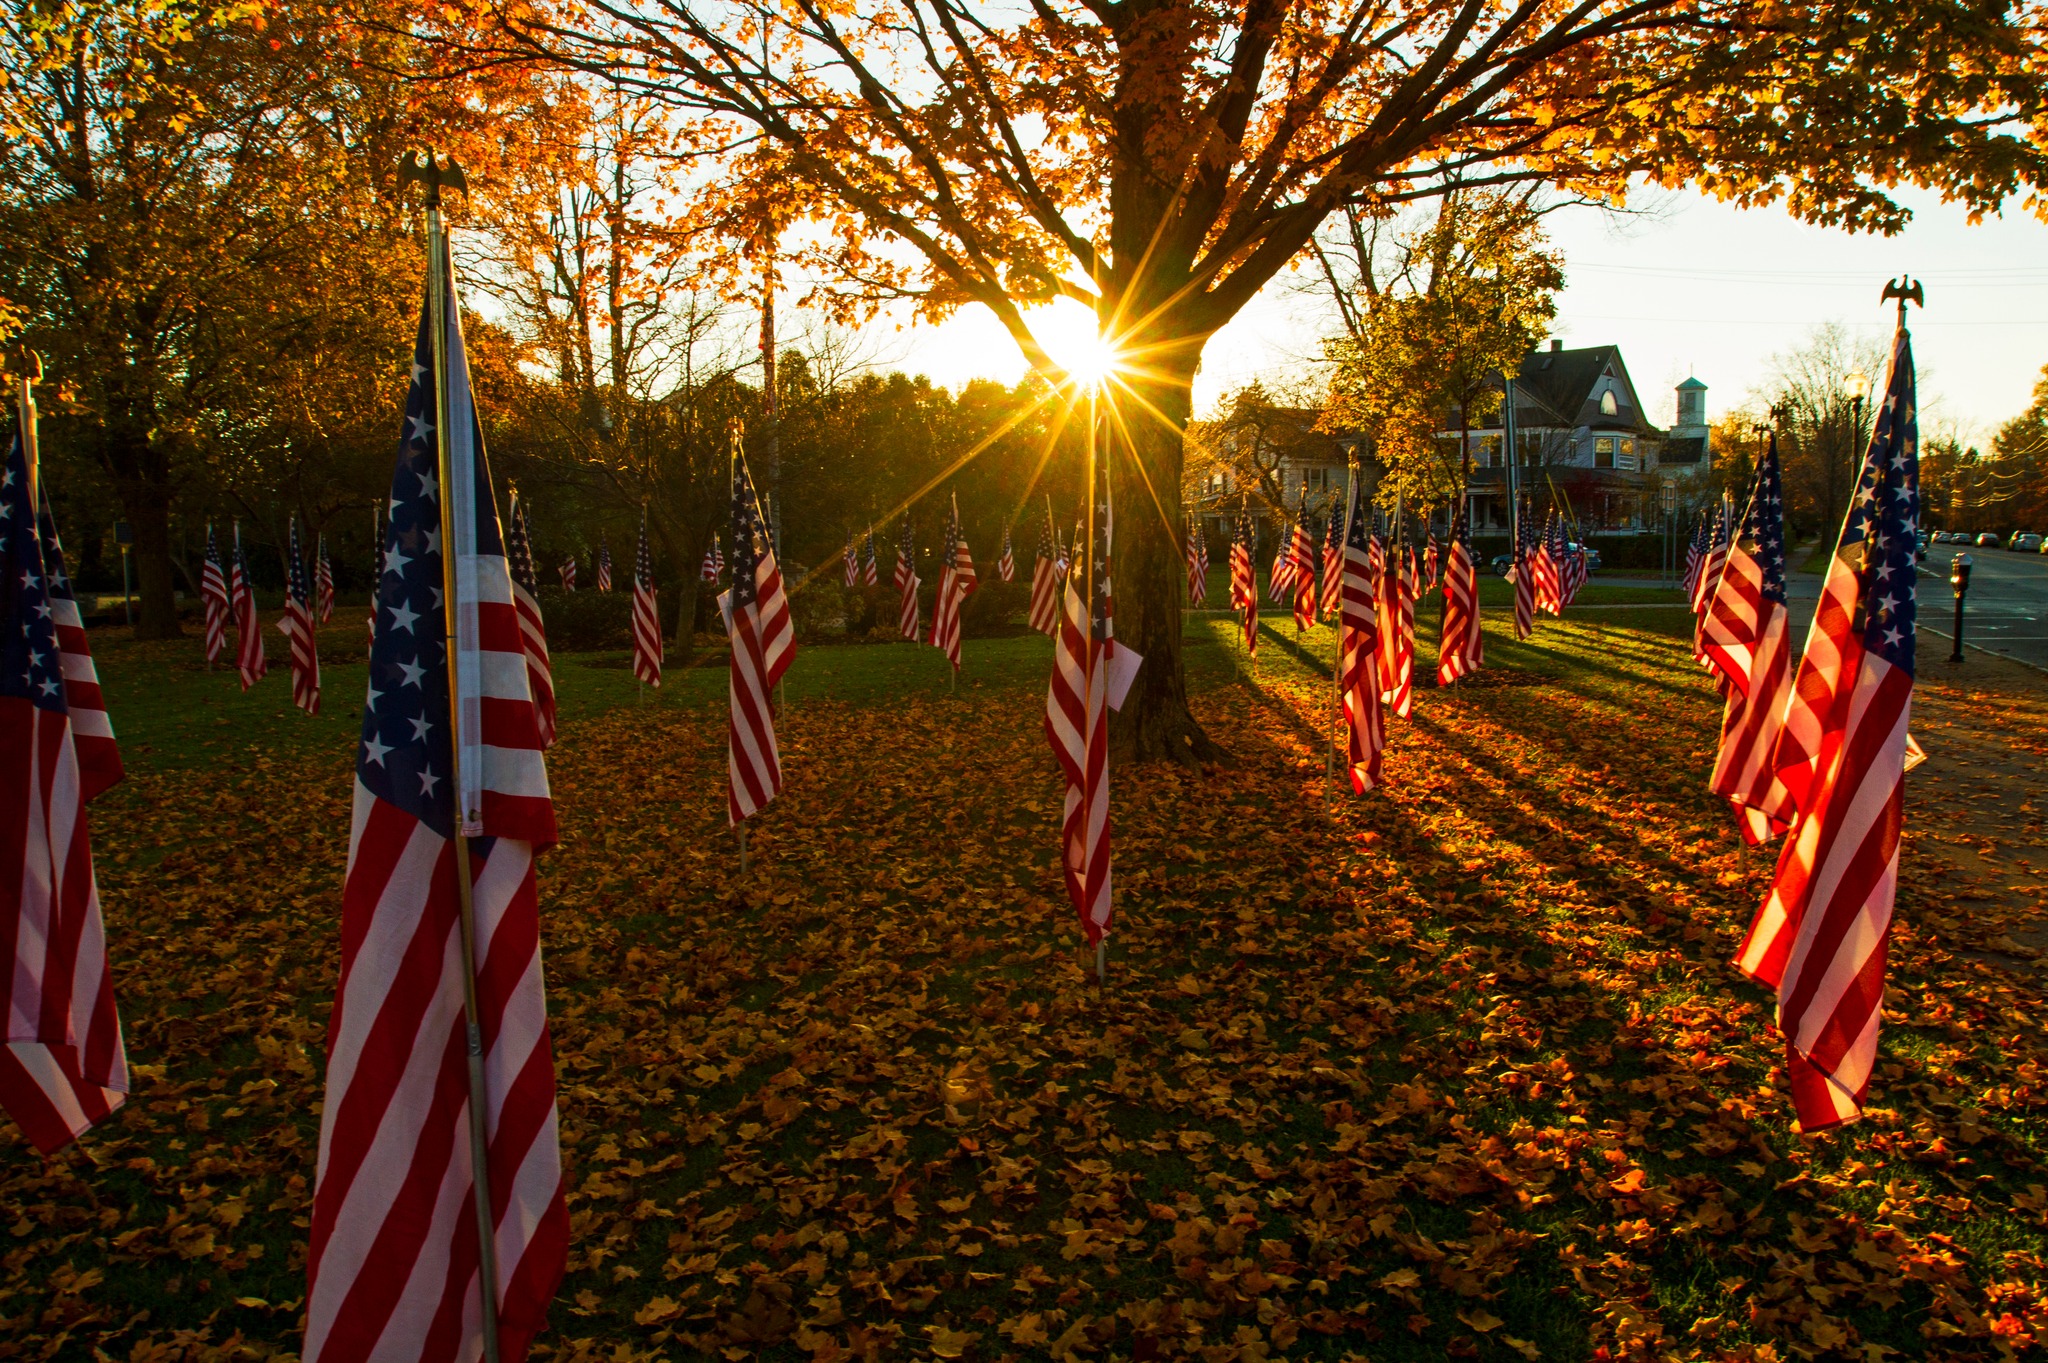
<point x="297" y="582"/>
<point x="519" y="553"/>
<point x="59" y="582"/>
<point x="746" y="549"/>
<point x="1882" y="529"/>
<point x="643" y="562"/>
<point x="406" y="756"/>
<point x="1765" y="525"/>
<point x="30" y="667"/>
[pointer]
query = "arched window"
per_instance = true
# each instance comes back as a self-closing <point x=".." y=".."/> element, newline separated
<point x="1608" y="406"/>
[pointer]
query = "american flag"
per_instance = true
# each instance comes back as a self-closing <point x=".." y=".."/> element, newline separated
<point x="64" y="1066"/>
<point x="714" y="562"/>
<point x="297" y="625"/>
<point x="249" y="657"/>
<point x="1820" y="937"/>
<point x="1576" y="570"/>
<point x="850" y="562"/>
<point x="533" y="634"/>
<point x="568" y="573"/>
<point x="1547" y="569"/>
<point x="1198" y="587"/>
<point x="1461" y="650"/>
<point x="1045" y="583"/>
<point x="1695" y="558"/>
<point x="1333" y="566"/>
<point x="323" y="583"/>
<point x="449" y="781"/>
<point x="92" y="730"/>
<point x="1077" y="704"/>
<point x="757" y="621"/>
<point x="1397" y="632"/>
<point x="1523" y="574"/>
<point x="1006" y="566"/>
<point x="1244" y="579"/>
<point x="1301" y="568"/>
<point x="956" y="582"/>
<point x="646" y="614"/>
<point x="1749" y="641"/>
<point x="1358" y="682"/>
<point x="604" y="567"/>
<point x="213" y="595"/>
<point x="868" y="572"/>
<point x="1710" y="575"/>
<point x="1279" y="578"/>
<point x="905" y="581"/>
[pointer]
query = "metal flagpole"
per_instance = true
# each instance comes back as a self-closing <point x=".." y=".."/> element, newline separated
<point x="433" y="179"/>
<point x="732" y="466"/>
<point x="1090" y="654"/>
<point x="27" y="376"/>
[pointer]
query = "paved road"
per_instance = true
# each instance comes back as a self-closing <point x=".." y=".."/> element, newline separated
<point x="2006" y="611"/>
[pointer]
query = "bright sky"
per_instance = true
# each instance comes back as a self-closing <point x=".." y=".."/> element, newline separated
<point x="1694" y="287"/>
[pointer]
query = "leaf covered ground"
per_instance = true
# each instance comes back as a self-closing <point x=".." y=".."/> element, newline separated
<point x="1456" y="1070"/>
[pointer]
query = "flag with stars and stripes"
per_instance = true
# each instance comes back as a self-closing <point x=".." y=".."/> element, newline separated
<point x="906" y="582"/>
<point x="449" y="779"/>
<point x="646" y="614"/>
<point x="1750" y="644"/>
<point x="533" y="634"/>
<point x="1244" y="579"/>
<point x="249" y="658"/>
<point x="1078" y="700"/>
<point x="1546" y="568"/>
<point x="64" y="1067"/>
<point x="1432" y="562"/>
<point x="1396" y="603"/>
<point x="1695" y="557"/>
<point x="956" y="582"/>
<point x="757" y="622"/>
<point x="1461" y="650"/>
<point x="323" y="583"/>
<point x="604" y="566"/>
<point x="1820" y="936"/>
<point x="714" y="562"/>
<point x="1358" y="642"/>
<point x="850" y="561"/>
<point x="213" y="598"/>
<point x="869" y="573"/>
<point x="1333" y="565"/>
<point x="1710" y="575"/>
<point x="567" y="570"/>
<point x="1523" y="575"/>
<point x="1006" y="566"/>
<point x="92" y="729"/>
<point x="296" y="624"/>
<point x="1197" y="562"/>
<point x="1301" y="567"/>
<point x="1045" y="582"/>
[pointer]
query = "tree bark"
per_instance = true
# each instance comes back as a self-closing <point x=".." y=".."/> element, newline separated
<point x="141" y="475"/>
<point x="1149" y="574"/>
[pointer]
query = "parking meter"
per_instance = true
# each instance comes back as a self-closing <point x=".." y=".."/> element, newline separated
<point x="1959" y="578"/>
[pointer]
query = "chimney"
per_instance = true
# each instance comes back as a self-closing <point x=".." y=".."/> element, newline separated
<point x="1556" y="344"/>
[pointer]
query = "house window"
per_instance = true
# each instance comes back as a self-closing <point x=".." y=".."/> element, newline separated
<point x="1628" y="455"/>
<point x="1603" y="452"/>
<point x="1608" y="406"/>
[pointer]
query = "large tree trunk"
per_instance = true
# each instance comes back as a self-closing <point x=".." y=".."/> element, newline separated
<point x="141" y="477"/>
<point x="1150" y="576"/>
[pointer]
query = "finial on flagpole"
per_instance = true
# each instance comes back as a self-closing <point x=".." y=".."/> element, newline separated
<point x="1907" y="290"/>
<point x="433" y="176"/>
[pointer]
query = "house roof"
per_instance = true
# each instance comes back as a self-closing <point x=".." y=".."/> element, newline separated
<point x="1691" y="383"/>
<point x="1563" y="388"/>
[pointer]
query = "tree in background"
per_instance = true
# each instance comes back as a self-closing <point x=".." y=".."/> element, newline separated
<point x="1161" y="161"/>
<point x="1255" y="431"/>
<point x="1818" y="439"/>
<point x="2008" y="490"/>
<point x="1435" y="316"/>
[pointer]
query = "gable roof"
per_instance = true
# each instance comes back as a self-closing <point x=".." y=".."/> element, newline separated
<point x="1563" y="388"/>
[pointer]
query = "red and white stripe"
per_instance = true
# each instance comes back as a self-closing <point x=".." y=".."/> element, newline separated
<point x="647" y="641"/>
<point x="249" y="659"/>
<point x="956" y="582"/>
<point x="533" y="636"/>
<point x="1358" y="682"/>
<point x="1397" y="634"/>
<point x="296" y="624"/>
<point x="323" y="583"/>
<point x="1244" y="586"/>
<point x="1332" y="602"/>
<point x="1753" y="719"/>
<point x="1045" y="595"/>
<point x="850" y="562"/>
<point x="1077" y="727"/>
<point x="1006" y="566"/>
<point x="1523" y="575"/>
<point x="213" y="598"/>
<point x="92" y="729"/>
<point x="1301" y="575"/>
<point x="763" y="647"/>
<point x="1461" y="651"/>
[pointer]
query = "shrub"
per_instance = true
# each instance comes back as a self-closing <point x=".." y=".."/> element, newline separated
<point x="589" y="620"/>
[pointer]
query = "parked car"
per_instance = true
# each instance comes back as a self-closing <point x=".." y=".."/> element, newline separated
<point x="1987" y="540"/>
<point x="1501" y="564"/>
<point x="1592" y="556"/>
<point x="2025" y="542"/>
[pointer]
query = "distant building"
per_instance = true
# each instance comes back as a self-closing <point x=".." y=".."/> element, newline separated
<point x="1581" y="429"/>
<point x="1284" y="440"/>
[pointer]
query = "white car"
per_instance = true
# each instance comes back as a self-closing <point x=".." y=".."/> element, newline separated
<point x="2026" y="543"/>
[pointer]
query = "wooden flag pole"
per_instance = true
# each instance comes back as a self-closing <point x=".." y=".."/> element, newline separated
<point x="434" y="178"/>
